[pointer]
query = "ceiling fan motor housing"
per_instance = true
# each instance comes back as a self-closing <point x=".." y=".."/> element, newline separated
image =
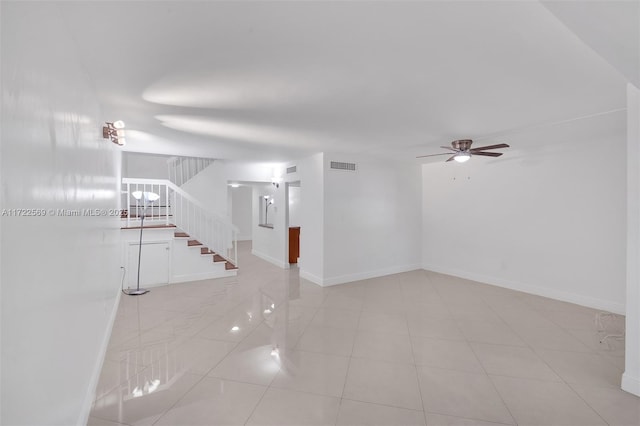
<point x="462" y="144"/>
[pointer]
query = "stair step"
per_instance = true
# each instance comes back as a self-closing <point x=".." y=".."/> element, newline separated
<point x="205" y="250"/>
<point x="229" y="265"/>
<point x="218" y="258"/>
<point x="181" y="235"/>
<point x="146" y="216"/>
<point x="192" y="243"/>
<point x="148" y="227"/>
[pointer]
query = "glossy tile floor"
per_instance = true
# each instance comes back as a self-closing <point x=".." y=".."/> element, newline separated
<point x="266" y="347"/>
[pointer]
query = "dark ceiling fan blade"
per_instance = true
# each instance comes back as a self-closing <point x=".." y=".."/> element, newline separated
<point x="483" y="148"/>
<point x="433" y="155"/>
<point x="451" y="158"/>
<point x="488" y="154"/>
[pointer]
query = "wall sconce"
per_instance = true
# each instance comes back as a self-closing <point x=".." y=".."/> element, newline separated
<point x="115" y="132"/>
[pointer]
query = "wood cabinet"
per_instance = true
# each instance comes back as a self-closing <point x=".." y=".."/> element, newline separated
<point x="294" y="244"/>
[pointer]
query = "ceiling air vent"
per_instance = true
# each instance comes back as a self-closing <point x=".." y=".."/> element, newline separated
<point x="338" y="165"/>
<point x="291" y="169"/>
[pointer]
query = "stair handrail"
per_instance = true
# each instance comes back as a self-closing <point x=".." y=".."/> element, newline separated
<point x="168" y="185"/>
<point x="183" y="193"/>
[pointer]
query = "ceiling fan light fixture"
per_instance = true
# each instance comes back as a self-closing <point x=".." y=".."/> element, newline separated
<point x="462" y="157"/>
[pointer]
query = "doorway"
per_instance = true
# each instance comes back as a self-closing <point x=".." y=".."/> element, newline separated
<point x="293" y="222"/>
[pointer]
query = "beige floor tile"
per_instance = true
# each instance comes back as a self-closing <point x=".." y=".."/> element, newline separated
<point x="248" y="364"/>
<point x="437" y="328"/>
<point x="144" y="398"/>
<point x="537" y="402"/>
<point x="312" y="372"/>
<point x="615" y="406"/>
<point x="327" y="340"/>
<point x="461" y="394"/>
<point x="280" y="337"/>
<point x="113" y="374"/>
<point x="489" y="332"/>
<point x="186" y="328"/>
<point x="307" y="298"/>
<point x="513" y="361"/>
<point x="474" y="312"/>
<point x="145" y="349"/>
<point x="232" y="327"/>
<point x="612" y="345"/>
<point x="355" y="413"/>
<point x="186" y="323"/>
<point x="546" y="304"/>
<point x="442" y="353"/>
<point x="441" y="420"/>
<point x="419" y="292"/>
<point x="583" y="368"/>
<point x="383" y="323"/>
<point x="152" y="317"/>
<point x="383" y="347"/>
<point x="383" y="383"/>
<point x="214" y="401"/>
<point x="285" y="407"/>
<point x="550" y="339"/>
<point x="94" y="421"/>
<point x="574" y="320"/>
<point x="121" y="334"/>
<point x="337" y="318"/>
<point x="199" y="356"/>
<point x="427" y="310"/>
<point x="343" y="300"/>
<point x="390" y="306"/>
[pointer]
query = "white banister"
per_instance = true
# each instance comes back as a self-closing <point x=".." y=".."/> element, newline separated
<point x="182" y="169"/>
<point x="180" y="208"/>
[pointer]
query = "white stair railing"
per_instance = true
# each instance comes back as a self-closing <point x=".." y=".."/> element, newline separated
<point x="181" y="169"/>
<point x="181" y="209"/>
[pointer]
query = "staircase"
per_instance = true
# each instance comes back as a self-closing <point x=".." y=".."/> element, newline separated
<point x="204" y="231"/>
<point x="204" y="251"/>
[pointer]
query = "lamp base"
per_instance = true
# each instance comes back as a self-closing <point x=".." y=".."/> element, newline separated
<point x="135" y="292"/>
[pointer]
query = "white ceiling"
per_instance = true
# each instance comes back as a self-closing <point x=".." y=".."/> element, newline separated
<point x="274" y="81"/>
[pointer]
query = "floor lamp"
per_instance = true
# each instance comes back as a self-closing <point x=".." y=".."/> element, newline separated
<point x="147" y="199"/>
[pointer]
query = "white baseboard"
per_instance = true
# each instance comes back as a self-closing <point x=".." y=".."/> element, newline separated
<point x="200" y="276"/>
<point x="347" y="278"/>
<point x="341" y="279"/>
<point x="578" y="299"/>
<point x="273" y="260"/>
<point x="97" y="370"/>
<point x="631" y="384"/>
<point x="310" y="277"/>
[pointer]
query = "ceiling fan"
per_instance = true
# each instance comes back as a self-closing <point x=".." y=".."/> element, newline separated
<point x="461" y="150"/>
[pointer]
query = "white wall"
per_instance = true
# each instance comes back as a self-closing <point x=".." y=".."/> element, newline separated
<point x="241" y="211"/>
<point x="311" y="176"/>
<point x="269" y="243"/>
<point x="294" y="206"/>
<point x="60" y="274"/>
<point x="372" y="219"/>
<point x="548" y="217"/>
<point x="144" y="166"/>
<point x="210" y="187"/>
<point x="631" y="377"/>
